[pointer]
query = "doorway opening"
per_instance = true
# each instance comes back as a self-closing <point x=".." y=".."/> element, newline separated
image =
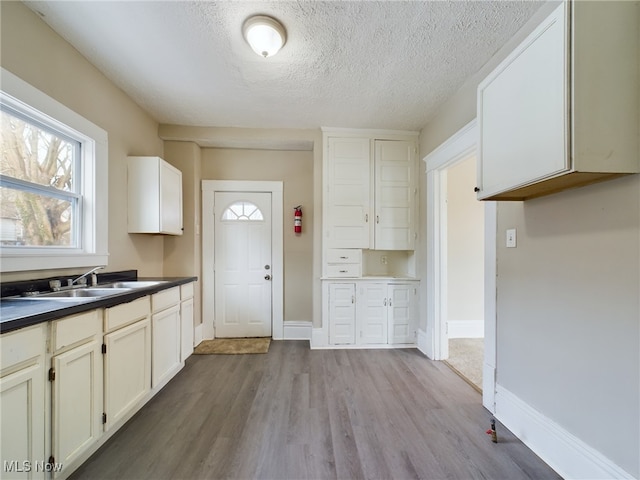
<point x="434" y="341"/>
<point x="462" y="263"/>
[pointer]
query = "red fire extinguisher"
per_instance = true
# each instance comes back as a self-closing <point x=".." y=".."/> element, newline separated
<point x="297" y="219"/>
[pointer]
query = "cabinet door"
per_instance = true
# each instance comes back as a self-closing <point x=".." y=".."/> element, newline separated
<point x="372" y="313"/>
<point x="170" y="199"/>
<point x="165" y="332"/>
<point x="22" y="421"/>
<point x="522" y="111"/>
<point x="348" y="192"/>
<point x="77" y="402"/>
<point x="395" y="193"/>
<point x="342" y="313"/>
<point x="127" y="371"/>
<point x="186" y="323"/>
<point x="22" y="402"/>
<point x="401" y="304"/>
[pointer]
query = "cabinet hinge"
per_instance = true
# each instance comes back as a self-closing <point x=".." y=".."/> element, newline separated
<point x="52" y="460"/>
<point x="52" y="374"/>
<point x="104" y="348"/>
<point x="104" y="418"/>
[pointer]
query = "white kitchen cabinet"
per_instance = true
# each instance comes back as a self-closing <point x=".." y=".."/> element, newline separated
<point x="367" y="312"/>
<point x="348" y="192"/>
<point x="165" y="334"/>
<point x="371" y="310"/>
<point x="394" y="195"/>
<point x="186" y="321"/>
<point x="22" y="397"/>
<point x="370" y="192"/>
<point x="562" y="110"/>
<point x="342" y="313"/>
<point x="154" y="196"/>
<point x="76" y="377"/>
<point x="127" y="358"/>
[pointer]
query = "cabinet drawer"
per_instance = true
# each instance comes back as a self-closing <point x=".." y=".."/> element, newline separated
<point x="165" y="299"/>
<point x="344" y="271"/>
<point x="344" y="255"/>
<point x="76" y="328"/>
<point x="21" y="345"/>
<point x="126" y="313"/>
<point x="186" y="291"/>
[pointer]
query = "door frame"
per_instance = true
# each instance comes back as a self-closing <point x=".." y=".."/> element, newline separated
<point x="209" y="188"/>
<point x="459" y="147"/>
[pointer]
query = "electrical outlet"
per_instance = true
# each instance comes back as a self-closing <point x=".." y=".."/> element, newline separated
<point x="383" y="260"/>
<point x="511" y="238"/>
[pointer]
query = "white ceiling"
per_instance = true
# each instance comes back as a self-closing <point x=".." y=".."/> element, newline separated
<point x="360" y="64"/>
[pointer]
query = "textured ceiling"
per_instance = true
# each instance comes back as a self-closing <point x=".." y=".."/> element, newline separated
<point x="360" y="64"/>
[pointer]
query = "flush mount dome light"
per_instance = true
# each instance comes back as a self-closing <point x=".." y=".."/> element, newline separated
<point x="264" y="34"/>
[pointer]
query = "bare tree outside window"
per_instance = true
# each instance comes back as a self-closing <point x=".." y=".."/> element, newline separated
<point x="38" y="195"/>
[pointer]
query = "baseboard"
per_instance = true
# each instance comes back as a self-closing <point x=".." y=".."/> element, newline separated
<point x="422" y="341"/>
<point x="465" y="329"/>
<point x="569" y="456"/>
<point x="300" y="330"/>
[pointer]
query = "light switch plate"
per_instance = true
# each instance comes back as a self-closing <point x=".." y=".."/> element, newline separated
<point x="511" y="238"/>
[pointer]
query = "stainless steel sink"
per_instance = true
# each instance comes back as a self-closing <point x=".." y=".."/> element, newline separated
<point x="134" y="284"/>
<point x="79" y="293"/>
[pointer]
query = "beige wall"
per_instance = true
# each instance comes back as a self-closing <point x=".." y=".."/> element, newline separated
<point x="568" y="317"/>
<point x="296" y="170"/>
<point x="465" y="245"/>
<point x="39" y="56"/>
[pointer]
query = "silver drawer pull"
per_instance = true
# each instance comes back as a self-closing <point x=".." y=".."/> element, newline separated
<point x="344" y="258"/>
<point x="344" y="271"/>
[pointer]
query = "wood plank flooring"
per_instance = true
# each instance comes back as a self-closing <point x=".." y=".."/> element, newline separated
<point x="297" y="413"/>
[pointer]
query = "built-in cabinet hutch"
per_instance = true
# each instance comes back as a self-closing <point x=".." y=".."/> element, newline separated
<point x="370" y="227"/>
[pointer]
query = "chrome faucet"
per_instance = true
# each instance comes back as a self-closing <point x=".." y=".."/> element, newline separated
<point x="94" y="278"/>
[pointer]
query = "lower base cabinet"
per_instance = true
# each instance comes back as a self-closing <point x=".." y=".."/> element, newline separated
<point x="22" y="397"/>
<point x="127" y="359"/>
<point x="76" y="387"/>
<point x="372" y="313"/>
<point x="67" y="385"/>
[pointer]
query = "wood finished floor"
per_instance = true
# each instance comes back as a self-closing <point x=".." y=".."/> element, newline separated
<point x="295" y="413"/>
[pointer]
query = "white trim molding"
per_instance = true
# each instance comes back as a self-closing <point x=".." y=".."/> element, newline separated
<point x="209" y="187"/>
<point x="569" y="456"/>
<point x="298" y="330"/>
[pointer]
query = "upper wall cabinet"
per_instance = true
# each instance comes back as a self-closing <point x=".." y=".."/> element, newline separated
<point x="562" y="110"/>
<point x="370" y="192"/>
<point x="155" y="196"/>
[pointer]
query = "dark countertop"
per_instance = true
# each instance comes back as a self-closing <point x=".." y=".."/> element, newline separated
<point x="19" y="312"/>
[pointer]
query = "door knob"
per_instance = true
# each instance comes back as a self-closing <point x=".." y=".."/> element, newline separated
<point x="267" y="277"/>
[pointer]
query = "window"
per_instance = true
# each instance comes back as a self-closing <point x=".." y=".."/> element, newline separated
<point x="53" y="187"/>
<point x="242" y="211"/>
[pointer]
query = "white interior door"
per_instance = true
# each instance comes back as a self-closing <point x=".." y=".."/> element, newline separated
<point x="242" y="264"/>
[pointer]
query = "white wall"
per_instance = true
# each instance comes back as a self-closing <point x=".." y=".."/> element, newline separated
<point x="465" y="252"/>
<point x="568" y="313"/>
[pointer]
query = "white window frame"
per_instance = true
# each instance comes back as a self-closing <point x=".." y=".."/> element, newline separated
<point x="94" y="158"/>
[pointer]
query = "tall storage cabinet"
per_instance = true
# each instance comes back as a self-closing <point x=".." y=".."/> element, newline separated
<point x="154" y="195"/>
<point x="562" y="110"/>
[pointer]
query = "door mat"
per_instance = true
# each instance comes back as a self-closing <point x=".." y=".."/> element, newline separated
<point x="233" y="346"/>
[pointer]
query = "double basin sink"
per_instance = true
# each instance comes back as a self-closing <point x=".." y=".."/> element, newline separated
<point x="94" y="293"/>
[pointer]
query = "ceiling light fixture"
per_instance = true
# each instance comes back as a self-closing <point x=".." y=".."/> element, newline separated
<point x="264" y="34"/>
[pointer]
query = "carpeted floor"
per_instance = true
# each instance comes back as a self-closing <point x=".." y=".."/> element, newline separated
<point x="233" y="346"/>
<point x="466" y="358"/>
